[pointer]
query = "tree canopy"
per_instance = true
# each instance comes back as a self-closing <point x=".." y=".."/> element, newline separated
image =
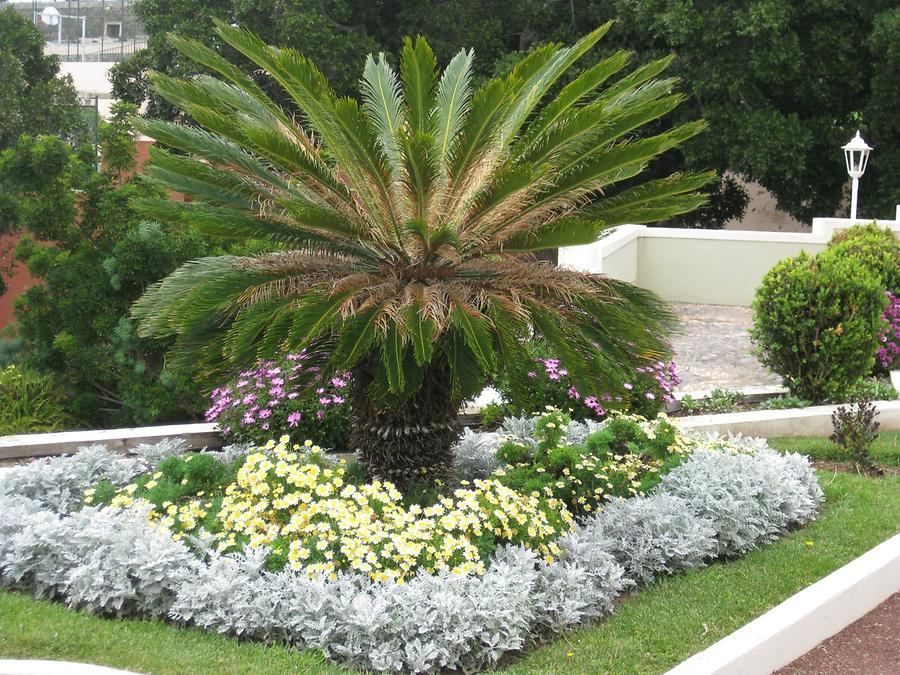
<point x="782" y="84"/>
<point x="33" y="99"/>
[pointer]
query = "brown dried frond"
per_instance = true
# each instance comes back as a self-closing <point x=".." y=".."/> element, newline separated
<point x="297" y="261"/>
<point x="285" y="287"/>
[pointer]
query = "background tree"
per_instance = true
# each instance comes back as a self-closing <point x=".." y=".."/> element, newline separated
<point x="33" y="98"/>
<point x="405" y="227"/>
<point x="94" y="256"/>
<point x="783" y="84"/>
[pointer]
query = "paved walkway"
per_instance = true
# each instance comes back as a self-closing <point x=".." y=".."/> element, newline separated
<point x="714" y="350"/>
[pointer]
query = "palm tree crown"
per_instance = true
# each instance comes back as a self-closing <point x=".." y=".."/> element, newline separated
<point x="402" y="228"/>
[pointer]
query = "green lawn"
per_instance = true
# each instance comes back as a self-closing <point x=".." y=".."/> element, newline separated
<point x="885" y="449"/>
<point x="651" y="631"/>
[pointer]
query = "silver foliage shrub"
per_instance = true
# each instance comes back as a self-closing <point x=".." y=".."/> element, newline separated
<point x="108" y="562"/>
<point x="474" y="454"/>
<point x="151" y="454"/>
<point x="59" y="483"/>
<point x="519" y="429"/>
<point x="430" y="623"/>
<point x="16" y="513"/>
<point x="750" y="498"/>
<point x="658" y="534"/>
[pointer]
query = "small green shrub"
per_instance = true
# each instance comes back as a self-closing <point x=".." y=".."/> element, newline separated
<point x="873" y="389"/>
<point x="876" y="248"/>
<point x="855" y="429"/>
<point x="493" y="413"/>
<point x="784" y="402"/>
<point x="623" y="459"/>
<point x="718" y="401"/>
<point x="30" y="402"/>
<point x="816" y="323"/>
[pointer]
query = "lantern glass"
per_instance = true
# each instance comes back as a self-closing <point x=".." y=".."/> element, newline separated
<point x="856" y="156"/>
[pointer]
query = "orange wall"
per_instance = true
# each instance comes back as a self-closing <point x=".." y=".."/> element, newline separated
<point x="20" y="281"/>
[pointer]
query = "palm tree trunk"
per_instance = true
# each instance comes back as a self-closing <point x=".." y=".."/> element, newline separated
<point x="409" y="442"/>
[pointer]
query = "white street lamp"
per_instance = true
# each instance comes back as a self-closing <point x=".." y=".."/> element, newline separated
<point x="856" y="154"/>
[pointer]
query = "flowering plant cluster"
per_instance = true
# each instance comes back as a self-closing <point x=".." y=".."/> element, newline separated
<point x="646" y="392"/>
<point x="312" y="517"/>
<point x="305" y="511"/>
<point x="888" y="352"/>
<point x="285" y="396"/>
<point x="625" y="458"/>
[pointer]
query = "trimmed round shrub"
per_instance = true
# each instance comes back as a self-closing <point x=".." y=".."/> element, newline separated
<point x="876" y="248"/>
<point x="816" y="322"/>
<point x="30" y="402"/>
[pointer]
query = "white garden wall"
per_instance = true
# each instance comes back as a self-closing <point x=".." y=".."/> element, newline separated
<point x="714" y="267"/>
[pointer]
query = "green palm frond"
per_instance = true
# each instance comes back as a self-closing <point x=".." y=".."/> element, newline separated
<point x="405" y="221"/>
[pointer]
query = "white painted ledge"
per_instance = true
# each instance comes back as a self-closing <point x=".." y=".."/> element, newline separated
<point x="812" y="421"/>
<point x="23" y="667"/>
<point x="197" y="436"/>
<point x="801" y="622"/>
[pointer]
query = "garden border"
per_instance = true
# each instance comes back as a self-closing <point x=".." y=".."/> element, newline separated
<point x="812" y="421"/>
<point x="804" y="620"/>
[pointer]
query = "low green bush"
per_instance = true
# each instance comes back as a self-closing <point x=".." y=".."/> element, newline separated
<point x="623" y="459"/>
<point x="785" y="402"/>
<point x="718" y="401"/>
<point x="876" y="248"/>
<point x="30" y="402"/>
<point x="816" y="323"/>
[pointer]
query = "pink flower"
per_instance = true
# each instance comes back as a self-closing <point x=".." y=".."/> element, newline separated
<point x="650" y="395"/>
<point x="337" y="399"/>
<point x="338" y="382"/>
<point x="265" y="426"/>
<point x="293" y="419"/>
<point x="263" y="414"/>
<point x="320" y="414"/>
<point x="248" y="399"/>
<point x="293" y="395"/>
<point x="324" y="400"/>
<point x="628" y="385"/>
<point x="531" y="373"/>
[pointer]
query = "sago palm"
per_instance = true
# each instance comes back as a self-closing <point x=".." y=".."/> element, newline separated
<point x="400" y="230"/>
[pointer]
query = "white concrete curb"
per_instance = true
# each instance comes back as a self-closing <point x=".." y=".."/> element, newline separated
<point x="197" y="436"/>
<point x="17" y="667"/>
<point x="801" y="622"/>
<point x="812" y="421"/>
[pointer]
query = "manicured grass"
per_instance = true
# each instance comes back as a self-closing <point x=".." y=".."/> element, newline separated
<point x="48" y="630"/>
<point x="652" y="631"/>
<point x="885" y="449"/>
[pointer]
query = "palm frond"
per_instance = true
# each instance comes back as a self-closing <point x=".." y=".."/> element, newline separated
<point x="451" y="105"/>
<point x="382" y="102"/>
<point x="418" y="72"/>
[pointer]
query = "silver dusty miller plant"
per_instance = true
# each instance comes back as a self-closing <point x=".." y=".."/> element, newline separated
<point x="730" y="496"/>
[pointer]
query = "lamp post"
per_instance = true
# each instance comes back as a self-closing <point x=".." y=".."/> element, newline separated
<point x="856" y="154"/>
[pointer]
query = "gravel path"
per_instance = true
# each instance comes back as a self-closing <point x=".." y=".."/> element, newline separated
<point x="713" y="349"/>
<point x="868" y="646"/>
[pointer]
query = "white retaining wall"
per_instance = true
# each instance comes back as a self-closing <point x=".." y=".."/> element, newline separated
<point x="713" y="267"/>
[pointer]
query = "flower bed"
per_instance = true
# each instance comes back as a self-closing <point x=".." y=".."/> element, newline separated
<point x="725" y="498"/>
